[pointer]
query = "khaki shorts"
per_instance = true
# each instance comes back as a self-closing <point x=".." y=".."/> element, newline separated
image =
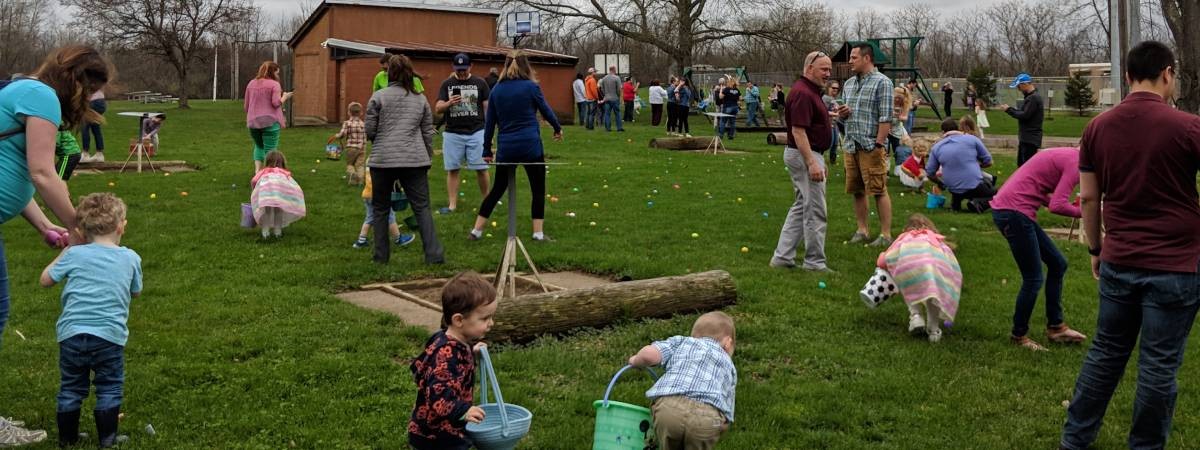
<point x="681" y="423"/>
<point x="866" y="172"/>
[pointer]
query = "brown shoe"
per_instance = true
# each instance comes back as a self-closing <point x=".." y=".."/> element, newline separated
<point x="1028" y="344"/>
<point x="1063" y="334"/>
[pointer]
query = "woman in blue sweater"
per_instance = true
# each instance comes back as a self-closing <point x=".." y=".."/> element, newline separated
<point x="513" y="108"/>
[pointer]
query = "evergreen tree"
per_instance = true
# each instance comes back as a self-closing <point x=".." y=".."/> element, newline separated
<point x="985" y="84"/>
<point x="1079" y="93"/>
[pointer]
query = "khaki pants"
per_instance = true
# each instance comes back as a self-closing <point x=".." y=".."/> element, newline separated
<point x="681" y="423"/>
<point x="356" y="163"/>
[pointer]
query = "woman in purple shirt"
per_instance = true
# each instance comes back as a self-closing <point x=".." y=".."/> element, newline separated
<point x="1047" y="179"/>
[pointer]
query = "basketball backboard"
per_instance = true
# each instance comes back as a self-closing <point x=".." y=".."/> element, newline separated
<point x="604" y="60"/>
<point x="523" y="23"/>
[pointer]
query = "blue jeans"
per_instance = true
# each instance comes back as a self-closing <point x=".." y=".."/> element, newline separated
<point x="833" y="149"/>
<point x="590" y="114"/>
<point x="752" y="114"/>
<point x="1161" y="306"/>
<point x="1030" y="248"/>
<point x="3" y="289"/>
<point x="612" y="113"/>
<point x="912" y="119"/>
<point x="79" y="357"/>
<point x="583" y="108"/>
<point x="728" y="125"/>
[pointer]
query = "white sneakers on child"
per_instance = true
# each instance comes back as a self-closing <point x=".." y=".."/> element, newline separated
<point x="916" y="324"/>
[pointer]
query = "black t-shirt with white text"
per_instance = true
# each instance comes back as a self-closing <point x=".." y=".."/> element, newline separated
<point x="731" y="96"/>
<point x="467" y="116"/>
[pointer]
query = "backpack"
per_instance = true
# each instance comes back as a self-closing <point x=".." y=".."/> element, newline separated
<point x="21" y="128"/>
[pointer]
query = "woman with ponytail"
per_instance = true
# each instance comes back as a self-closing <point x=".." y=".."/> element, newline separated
<point x="399" y="123"/>
<point x="512" y="108"/>
<point x="32" y="110"/>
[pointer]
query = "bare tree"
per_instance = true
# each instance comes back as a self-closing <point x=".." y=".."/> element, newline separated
<point x="1181" y="17"/>
<point x="178" y="31"/>
<point x="22" y="25"/>
<point x="675" y="27"/>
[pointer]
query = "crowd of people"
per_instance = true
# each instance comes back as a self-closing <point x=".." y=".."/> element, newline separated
<point x="1143" y="244"/>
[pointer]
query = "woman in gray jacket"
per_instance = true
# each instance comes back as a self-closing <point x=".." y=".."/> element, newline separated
<point x="399" y="123"/>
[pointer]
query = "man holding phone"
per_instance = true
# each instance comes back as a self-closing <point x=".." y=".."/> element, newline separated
<point x="462" y="100"/>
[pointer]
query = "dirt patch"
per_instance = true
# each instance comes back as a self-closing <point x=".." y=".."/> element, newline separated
<point x="418" y="302"/>
<point x="115" y="166"/>
<point x="1066" y="234"/>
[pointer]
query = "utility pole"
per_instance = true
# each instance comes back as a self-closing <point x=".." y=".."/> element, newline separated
<point x="215" y="59"/>
<point x="1114" y="49"/>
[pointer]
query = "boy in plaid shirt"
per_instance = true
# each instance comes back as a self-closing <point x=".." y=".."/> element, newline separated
<point x="354" y="130"/>
<point x="693" y="401"/>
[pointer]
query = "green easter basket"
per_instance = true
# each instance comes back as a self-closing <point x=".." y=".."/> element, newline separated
<point x="622" y="426"/>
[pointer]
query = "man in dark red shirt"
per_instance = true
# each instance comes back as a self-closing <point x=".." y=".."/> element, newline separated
<point x="809" y="134"/>
<point x="1141" y="159"/>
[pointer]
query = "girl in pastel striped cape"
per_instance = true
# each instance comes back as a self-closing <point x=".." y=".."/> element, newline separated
<point x="928" y="275"/>
<point x="277" y="200"/>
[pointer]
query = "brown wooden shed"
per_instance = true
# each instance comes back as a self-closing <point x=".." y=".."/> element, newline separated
<point x="336" y="53"/>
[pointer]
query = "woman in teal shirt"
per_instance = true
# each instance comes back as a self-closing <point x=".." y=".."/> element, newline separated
<point x="31" y="113"/>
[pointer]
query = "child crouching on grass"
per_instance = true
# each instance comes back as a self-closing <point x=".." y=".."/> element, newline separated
<point x="277" y="199"/>
<point x="101" y="278"/>
<point x="445" y="371"/>
<point x="928" y="274"/>
<point x="693" y="401"/>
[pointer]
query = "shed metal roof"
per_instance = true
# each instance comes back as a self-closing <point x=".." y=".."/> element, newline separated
<point x="430" y="50"/>
<point x="325" y="5"/>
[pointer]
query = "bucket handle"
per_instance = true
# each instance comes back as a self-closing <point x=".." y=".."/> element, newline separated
<point x="653" y="376"/>
<point x="487" y="374"/>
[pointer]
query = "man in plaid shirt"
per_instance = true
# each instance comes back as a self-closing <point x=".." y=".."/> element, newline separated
<point x="866" y="110"/>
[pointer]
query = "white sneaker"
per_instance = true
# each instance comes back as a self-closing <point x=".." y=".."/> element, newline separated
<point x="85" y="157"/>
<point x="916" y="324"/>
<point x="13" y="436"/>
<point x="97" y="157"/>
<point x="935" y="335"/>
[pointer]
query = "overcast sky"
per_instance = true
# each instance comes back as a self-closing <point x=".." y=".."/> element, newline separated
<point x="288" y="7"/>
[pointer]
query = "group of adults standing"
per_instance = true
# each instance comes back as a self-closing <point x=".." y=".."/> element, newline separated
<point x="399" y="122"/>
<point x="601" y="99"/>
<point x="1144" y="244"/>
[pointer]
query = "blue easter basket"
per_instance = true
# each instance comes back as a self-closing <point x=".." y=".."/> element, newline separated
<point x="504" y="425"/>
<point x="619" y="425"/>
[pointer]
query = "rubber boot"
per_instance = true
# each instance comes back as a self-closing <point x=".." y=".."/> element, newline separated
<point x="68" y="428"/>
<point x="106" y="426"/>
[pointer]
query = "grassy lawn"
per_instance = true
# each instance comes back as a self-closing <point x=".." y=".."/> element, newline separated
<point x="1057" y="123"/>
<point x="239" y="343"/>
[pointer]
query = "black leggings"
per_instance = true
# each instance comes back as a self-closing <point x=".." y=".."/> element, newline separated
<point x="681" y="118"/>
<point x="537" y="186"/>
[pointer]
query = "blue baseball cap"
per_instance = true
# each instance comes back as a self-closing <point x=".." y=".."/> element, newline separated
<point x="462" y="61"/>
<point x="1022" y="78"/>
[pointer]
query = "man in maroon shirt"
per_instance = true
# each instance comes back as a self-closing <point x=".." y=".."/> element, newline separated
<point x="1148" y="264"/>
<point x="809" y="134"/>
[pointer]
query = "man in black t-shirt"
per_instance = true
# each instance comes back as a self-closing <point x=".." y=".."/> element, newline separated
<point x="462" y="99"/>
<point x="728" y="99"/>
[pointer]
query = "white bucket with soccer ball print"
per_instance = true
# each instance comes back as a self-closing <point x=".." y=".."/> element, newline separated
<point x="879" y="288"/>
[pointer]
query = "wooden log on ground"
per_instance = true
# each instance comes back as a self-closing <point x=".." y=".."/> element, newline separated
<point x="681" y="143"/>
<point x="777" y="138"/>
<point x="524" y="318"/>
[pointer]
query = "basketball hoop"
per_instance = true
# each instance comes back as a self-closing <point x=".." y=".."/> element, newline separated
<point x="521" y="24"/>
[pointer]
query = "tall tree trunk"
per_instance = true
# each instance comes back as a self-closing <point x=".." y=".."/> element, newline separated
<point x="182" y="71"/>
<point x="1182" y="16"/>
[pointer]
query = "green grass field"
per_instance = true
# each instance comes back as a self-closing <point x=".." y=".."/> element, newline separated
<point x="240" y="343"/>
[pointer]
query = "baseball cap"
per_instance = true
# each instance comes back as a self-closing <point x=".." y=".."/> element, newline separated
<point x="462" y="61"/>
<point x="1021" y="79"/>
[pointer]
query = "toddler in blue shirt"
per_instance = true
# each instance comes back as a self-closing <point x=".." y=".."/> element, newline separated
<point x="101" y="277"/>
<point x="693" y="401"/>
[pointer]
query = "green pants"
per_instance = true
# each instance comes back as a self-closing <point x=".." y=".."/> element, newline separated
<point x="265" y="140"/>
